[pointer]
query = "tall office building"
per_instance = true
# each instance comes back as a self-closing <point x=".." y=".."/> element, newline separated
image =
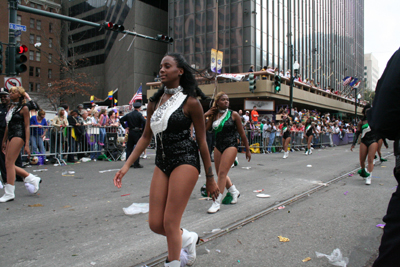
<point x="327" y="36"/>
<point x="105" y="54"/>
<point x="371" y="72"/>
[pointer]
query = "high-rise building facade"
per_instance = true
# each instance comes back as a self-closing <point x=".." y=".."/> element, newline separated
<point x="105" y="54"/>
<point x="43" y="41"/>
<point x="326" y="37"/>
<point x="371" y="72"/>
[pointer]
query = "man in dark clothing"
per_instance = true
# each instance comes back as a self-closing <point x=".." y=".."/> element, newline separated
<point x="135" y="123"/>
<point x="76" y="126"/>
<point x="384" y="119"/>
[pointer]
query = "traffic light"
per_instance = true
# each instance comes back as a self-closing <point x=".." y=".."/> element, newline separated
<point x="164" y="38"/>
<point x="114" y="27"/>
<point x="252" y="83"/>
<point x="277" y="83"/>
<point x="1" y="58"/>
<point x="20" y="58"/>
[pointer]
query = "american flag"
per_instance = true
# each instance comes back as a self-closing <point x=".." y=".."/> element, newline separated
<point x="353" y="81"/>
<point x="136" y="96"/>
<point x="357" y="84"/>
<point x="347" y="80"/>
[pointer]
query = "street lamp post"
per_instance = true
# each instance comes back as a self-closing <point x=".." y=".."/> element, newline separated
<point x="295" y="68"/>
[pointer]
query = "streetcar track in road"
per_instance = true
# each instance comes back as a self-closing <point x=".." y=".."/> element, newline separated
<point x="250" y="219"/>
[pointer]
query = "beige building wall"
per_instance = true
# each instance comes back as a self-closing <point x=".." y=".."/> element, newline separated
<point x="371" y="72"/>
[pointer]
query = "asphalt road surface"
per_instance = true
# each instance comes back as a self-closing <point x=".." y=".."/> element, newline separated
<point x="77" y="217"/>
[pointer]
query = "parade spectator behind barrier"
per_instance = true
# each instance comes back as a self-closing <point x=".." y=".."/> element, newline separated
<point x="112" y="122"/>
<point x="38" y="133"/>
<point x="102" y="123"/>
<point x="272" y="137"/>
<point x="266" y="132"/>
<point x="59" y="122"/>
<point x="94" y="135"/>
<point x="254" y="115"/>
<point x="16" y="136"/>
<point x="246" y="116"/>
<point x="264" y="77"/>
<point x="74" y="134"/>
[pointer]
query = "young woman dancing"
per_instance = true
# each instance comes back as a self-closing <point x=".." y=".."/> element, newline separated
<point x="226" y="125"/>
<point x="309" y="131"/>
<point x="368" y="146"/>
<point x="170" y="113"/>
<point x="17" y="136"/>
<point x="285" y="132"/>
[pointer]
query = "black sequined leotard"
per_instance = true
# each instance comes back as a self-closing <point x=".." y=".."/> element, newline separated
<point x="227" y="135"/>
<point x="175" y="147"/>
<point x="16" y="125"/>
<point x="368" y="137"/>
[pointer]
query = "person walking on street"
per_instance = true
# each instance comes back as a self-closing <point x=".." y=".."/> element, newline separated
<point x="170" y="114"/>
<point x="226" y="126"/>
<point x="368" y="146"/>
<point x="286" y="137"/>
<point x="15" y="137"/>
<point x="135" y="123"/>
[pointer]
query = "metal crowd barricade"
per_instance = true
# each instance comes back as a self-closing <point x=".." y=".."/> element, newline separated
<point x="42" y="143"/>
<point x="259" y="144"/>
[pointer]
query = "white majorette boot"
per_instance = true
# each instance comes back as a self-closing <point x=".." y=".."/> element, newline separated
<point x="285" y="154"/>
<point x="216" y="205"/>
<point x="33" y="180"/>
<point x="172" y="264"/>
<point x="235" y="194"/>
<point x="8" y="193"/>
<point x="368" y="178"/>
<point x="189" y="241"/>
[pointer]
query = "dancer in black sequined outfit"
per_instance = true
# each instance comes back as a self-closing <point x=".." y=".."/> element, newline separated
<point x="286" y="137"/>
<point x="226" y="126"/>
<point x="17" y="136"/>
<point x="170" y="112"/>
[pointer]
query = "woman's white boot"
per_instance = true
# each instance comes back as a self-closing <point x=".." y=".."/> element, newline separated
<point x="189" y="241"/>
<point x="8" y="193"/>
<point x="216" y="205"/>
<point x="234" y="193"/>
<point x="172" y="264"/>
<point x="34" y="181"/>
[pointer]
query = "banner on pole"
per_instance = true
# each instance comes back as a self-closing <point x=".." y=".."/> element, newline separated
<point x="220" y="59"/>
<point x="213" y="60"/>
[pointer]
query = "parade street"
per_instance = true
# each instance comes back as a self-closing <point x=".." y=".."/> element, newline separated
<point x="76" y="219"/>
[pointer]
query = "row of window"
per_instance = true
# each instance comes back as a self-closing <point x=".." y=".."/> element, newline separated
<point x="33" y="88"/>
<point x="36" y="73"/>
<point x="39" y="40"/>
<point x="39" y="25"/>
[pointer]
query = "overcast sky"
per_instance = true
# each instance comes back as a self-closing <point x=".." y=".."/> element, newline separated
<point x="381" y="29"/>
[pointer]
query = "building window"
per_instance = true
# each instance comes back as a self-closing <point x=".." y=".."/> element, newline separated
<point x="30" y="55"/>
<point x="32" y="5"/>
<point x="37" y="56"/>
<point x="50" y="27"/>
<point x="19" y="20"/>
<point x="37" y="72"/>
<point x="39" y="7"/>
<point x="38" y="24"/>
<point x="18" y="38"/>
<point x="50" y="57"/>
<point x="32" y="23"/>
<point x="50" y="42"/>
<point x="38" y="39"/>
<point x="38" y="87"/>
<point x="31" y="39"/>
<point x="30" y="87"/>
<point x="50" y="73"/>
<point x="31" y="71"/>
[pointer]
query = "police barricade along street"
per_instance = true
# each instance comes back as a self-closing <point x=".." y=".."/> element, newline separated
<point x="42" y="144"/>
<point x="91" y="142"/>
<point x="298" y="142"/>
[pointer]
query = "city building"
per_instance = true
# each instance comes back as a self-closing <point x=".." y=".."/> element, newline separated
<point x="327" y="36"/>
<point x="43" y="65"/>
<point x="371" y="72"/>
<point x="110" y="59"/>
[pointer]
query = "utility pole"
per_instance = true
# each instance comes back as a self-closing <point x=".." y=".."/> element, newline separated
<point x="10" y="62"/>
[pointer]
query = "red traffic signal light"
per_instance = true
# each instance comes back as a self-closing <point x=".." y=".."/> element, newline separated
<point x="164" y="38"/>
<point x="114" y="27"/>
<point x="21" y="49"/>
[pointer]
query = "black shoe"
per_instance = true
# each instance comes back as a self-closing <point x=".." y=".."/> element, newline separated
<point x="137" y="166"/>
